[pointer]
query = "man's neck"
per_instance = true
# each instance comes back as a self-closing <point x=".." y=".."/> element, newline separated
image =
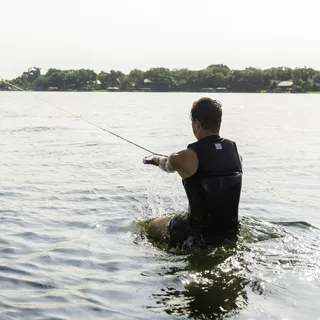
<point x="207" y="134"/>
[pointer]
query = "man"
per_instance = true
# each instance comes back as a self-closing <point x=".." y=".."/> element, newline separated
<point x="211" y="173"/>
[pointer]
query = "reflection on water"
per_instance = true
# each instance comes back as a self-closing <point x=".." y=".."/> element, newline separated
<point x="213" y="286"/>
<point x="217" y="282"/>
<point x="69" y="192"/>
<point x="212" y="283"/>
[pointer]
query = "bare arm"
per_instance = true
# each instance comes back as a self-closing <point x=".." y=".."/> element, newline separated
<point x="184" y="162"/>
<point x="164" y="163"/>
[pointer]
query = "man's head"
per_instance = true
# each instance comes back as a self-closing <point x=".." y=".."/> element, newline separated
<point x="206" y="117"/>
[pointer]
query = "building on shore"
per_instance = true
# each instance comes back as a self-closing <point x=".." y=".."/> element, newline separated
<point x="97" y="85"/>
<point x="113" y="89"/>
<point x="206" y="90"/>
<point x="147" y="85"/>
<point x="285" y="86"/>
<point x="220" y="89"/>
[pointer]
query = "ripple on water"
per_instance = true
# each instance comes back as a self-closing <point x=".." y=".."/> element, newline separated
<point x="69" y="194"/>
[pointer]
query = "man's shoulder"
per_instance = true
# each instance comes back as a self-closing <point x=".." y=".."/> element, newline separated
<point x="227" y="141"/>
<point x="185" y="160"/>
<point x="182" y="156"/>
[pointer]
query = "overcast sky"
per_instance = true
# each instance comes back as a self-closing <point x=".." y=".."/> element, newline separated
<point x="127" y="34"/>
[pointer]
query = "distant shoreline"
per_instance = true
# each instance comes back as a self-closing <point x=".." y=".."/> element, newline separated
<point x="203" y="92"/>
<point x="215" y="78"/>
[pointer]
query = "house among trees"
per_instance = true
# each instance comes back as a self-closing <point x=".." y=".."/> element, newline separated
<point x="97" y="85"/>
<point x="146" y="85"/>
<point x="285" y="86"/>
<point x="206" y="90"/>
<point x="113" y="89"/>
<point x="220" y="89"/>
<point x="145" y="89"/>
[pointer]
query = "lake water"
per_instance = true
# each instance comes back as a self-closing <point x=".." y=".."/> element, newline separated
<point x="70" y="195"/>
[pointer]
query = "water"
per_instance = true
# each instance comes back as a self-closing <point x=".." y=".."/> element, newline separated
<point x="70" y="194"/>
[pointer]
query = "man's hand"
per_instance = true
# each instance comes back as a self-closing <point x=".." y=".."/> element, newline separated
<point x="163" y="163"/>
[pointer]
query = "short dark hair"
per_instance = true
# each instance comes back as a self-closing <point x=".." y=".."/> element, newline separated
<point x="208" y="112"/>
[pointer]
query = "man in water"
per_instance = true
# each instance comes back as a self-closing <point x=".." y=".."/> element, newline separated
<point x="211" y="173"/>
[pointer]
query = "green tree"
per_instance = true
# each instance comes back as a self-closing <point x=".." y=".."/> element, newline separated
<point x="71" y="80"/>
<point x="26" y="80"/>
<point x="181" y="79"/>
<point x="219" y="68"/>
<point x="161" y="79"/>
<point x="111" y="79"/>
<point x="115" y="78"/>
<point x="41" y="83"/>
<point x="3" y="85"/>
<point x="316" y="78"/>
<point x="213" y="78"/>
<point x="279" y="73"/>
<point x="236" y="81"/>
<point x="55" y="78"/>
<point x="103" y="78"/>
<point x="82" y="78"/>
<point x="32" y="74"/>
<point x="22" y="82"/>
<point x="134" y="80"/>
<point x="302" y="78"/>
<point x="256" y="80"/>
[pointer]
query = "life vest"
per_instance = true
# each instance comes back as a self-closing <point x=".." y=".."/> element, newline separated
<point x="214" y="190"/>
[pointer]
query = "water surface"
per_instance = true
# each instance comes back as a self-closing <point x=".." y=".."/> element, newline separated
<point x="70" y="193"/>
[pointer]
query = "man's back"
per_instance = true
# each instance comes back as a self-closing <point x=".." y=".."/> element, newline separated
<point x="212" y="176"/>
<point x="214" y="189"/>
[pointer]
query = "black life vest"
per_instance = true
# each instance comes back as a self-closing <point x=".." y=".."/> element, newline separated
<point x="214" y="190"/>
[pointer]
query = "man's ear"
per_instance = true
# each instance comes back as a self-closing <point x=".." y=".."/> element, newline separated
<point x="198" y="124"/>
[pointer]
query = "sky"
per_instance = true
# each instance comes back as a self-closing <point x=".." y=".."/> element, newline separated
<point x="128" y="34"/>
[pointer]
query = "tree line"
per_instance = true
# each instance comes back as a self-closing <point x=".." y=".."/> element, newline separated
<point x="216" y="76"/>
